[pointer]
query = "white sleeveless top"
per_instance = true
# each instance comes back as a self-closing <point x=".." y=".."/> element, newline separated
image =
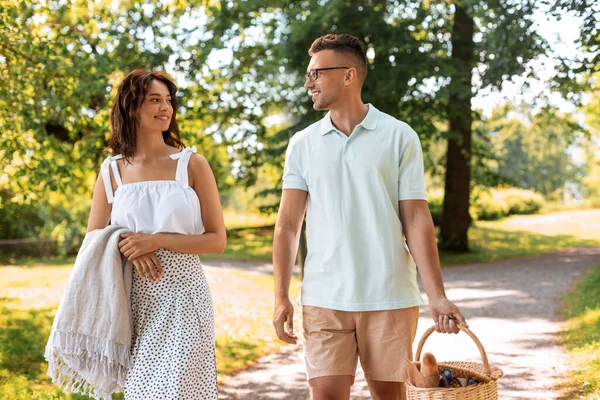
<point x="155" y="206"/>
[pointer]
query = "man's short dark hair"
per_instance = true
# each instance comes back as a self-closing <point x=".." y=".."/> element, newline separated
<point x="346" y="44"/>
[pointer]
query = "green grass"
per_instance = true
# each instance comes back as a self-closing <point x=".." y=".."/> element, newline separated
<point x="582" y="338"/>
<point x="491" y="244"/>
<point x="30" y="290"/>
<point x="528" y="235"/>
<point x="23" y="336"/>
<point x="517" y="236"/>
<point x="29" y="296"/>
<point x="234" y="220"/>
<point x="250" y="244"/>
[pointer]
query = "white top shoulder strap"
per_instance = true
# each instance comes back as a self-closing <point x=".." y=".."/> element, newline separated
<point x="110" y="162"/>
<point x="183" y="158"/>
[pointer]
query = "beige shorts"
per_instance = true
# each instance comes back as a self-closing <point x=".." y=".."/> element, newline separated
<point x="335" y="340"/>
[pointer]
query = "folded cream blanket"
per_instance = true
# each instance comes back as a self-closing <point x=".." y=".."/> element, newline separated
<point x="88" y="350"/>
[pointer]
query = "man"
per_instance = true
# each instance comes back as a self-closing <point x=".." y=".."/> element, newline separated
<point x="358" y="173"/>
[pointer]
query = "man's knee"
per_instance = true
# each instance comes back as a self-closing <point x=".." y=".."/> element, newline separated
<point x="381" y="390"/>
<point x="330" y="387"/>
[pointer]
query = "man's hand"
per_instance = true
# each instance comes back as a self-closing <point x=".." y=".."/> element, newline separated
<point x="148" y="266"/>
<point x="133" y="245"/>
<point x="283" y="315"/>
<point x="446" y="315"/>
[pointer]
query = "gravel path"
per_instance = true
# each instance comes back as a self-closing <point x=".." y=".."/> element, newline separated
<point x="510" y="305"/>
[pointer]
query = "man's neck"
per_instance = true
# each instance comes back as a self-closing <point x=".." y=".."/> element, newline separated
<point x="347" y="117"/>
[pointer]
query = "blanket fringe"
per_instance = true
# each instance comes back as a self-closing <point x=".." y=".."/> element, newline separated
<point x="69" y="352"/>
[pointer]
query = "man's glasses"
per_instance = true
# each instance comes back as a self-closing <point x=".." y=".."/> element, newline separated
<point x="313" y="74"/>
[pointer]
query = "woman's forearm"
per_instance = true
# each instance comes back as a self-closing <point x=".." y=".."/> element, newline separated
<point x="207" y="243"/>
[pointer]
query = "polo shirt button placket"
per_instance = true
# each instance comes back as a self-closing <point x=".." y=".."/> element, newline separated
<point x="348" y="153"/>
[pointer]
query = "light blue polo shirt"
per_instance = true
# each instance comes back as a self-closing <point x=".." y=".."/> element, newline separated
<point x="357" y="257"/>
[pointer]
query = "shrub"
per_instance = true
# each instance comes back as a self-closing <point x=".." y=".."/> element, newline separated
<point x="520" y="201"/>
<point x="488" y="207"/>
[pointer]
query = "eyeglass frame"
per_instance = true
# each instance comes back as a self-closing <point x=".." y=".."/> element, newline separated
<point x="316" y="71"/>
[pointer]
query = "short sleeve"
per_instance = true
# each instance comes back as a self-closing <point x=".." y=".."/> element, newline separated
<point x="411" y="174"/>
<point x="293" y="171"/>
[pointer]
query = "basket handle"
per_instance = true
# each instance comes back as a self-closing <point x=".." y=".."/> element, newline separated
<point x="466" y="330"/>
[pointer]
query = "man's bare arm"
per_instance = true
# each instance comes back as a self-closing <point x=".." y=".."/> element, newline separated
<point x="419" y="231"/>
<point x="285" y="247"/>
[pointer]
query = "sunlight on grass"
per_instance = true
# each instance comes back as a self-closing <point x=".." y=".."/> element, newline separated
<point x="243" y="317"/>
<point x="247" y="245"/>
<point x="582" y="338"/>
<point x="528" y="235"/>
<point x="517" y="236"/>
<point x="29" y="296"/>
<point x="234" y="220"/>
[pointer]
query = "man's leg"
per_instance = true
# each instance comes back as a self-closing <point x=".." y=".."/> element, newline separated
<point x="384" y="341"/>
<point x="381" y="390"/>
<point x="330" y="387"/>
<point x="330" y="352"/>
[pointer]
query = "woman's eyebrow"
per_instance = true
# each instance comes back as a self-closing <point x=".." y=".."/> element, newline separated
<point x="158" y="94"/>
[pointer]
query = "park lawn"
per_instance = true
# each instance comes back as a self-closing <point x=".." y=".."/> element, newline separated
<point x="517" y="236"/>
<point x="249" y="244"/>
<point x="528" y="235"/>
<point x="582" y="338"/>
<point x="251" y="239"/>
<point x="29" y="295"/>
<point x="30" y="291"/>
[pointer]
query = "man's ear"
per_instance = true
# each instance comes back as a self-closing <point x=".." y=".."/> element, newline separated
<point x="351" y="76"/>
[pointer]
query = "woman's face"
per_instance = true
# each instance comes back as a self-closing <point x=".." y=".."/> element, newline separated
<point x="156" y="111"/>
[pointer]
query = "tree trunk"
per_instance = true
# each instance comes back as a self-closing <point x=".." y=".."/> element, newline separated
<point x="455" y="212"/>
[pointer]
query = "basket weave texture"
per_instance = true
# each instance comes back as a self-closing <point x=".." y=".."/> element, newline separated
<point x="487" y="375"/>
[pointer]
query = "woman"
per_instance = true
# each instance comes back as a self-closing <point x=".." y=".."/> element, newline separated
<point x="168" y="199"/>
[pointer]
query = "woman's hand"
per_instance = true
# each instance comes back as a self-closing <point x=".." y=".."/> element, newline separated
<point x="148" y="266"/>
<point x="134" y="245"/>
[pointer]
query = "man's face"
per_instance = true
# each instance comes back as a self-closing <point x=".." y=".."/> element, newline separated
<point x="327" y="88"/>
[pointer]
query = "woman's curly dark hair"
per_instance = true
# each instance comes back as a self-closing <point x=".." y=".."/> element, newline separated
<point x="124" y="120"/>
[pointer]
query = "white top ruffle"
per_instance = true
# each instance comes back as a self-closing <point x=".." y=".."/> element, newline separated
<point x="155" y="206"/>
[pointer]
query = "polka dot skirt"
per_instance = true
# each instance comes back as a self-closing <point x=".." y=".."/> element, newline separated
<point x="173" y="344"/>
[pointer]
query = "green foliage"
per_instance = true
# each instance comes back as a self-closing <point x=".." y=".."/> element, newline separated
<point x="240" y="68"/>
<point x="60" y="64"/>
<point x="582" y="337"/>
<point x="435" y="200"/>
<point x="532" y="147"/>
<point x="587" y="60"/>
<point x="494" y="204"/>
<point x="413" y="79"/>
<point x="591" y="167"/>
<point x="521" y="201"/>
<point x="487" y="207"/>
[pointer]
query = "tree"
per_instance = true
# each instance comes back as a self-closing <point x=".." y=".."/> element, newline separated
<point x="60" y="63"/>
<point x="533" y="147"/>
<point x="422" y="57"/>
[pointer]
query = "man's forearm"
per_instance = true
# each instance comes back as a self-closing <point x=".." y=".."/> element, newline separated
<point x="285" y="248"/>
<point x="420" y="237"/>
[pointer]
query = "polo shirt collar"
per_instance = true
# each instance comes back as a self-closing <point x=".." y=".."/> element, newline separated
<point x="369" y="122"/>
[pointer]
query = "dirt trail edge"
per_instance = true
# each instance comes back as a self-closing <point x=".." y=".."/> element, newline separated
<point x="511" y="305"/>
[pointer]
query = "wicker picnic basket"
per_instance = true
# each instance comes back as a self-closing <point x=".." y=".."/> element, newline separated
<point x="487" y="375"/>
